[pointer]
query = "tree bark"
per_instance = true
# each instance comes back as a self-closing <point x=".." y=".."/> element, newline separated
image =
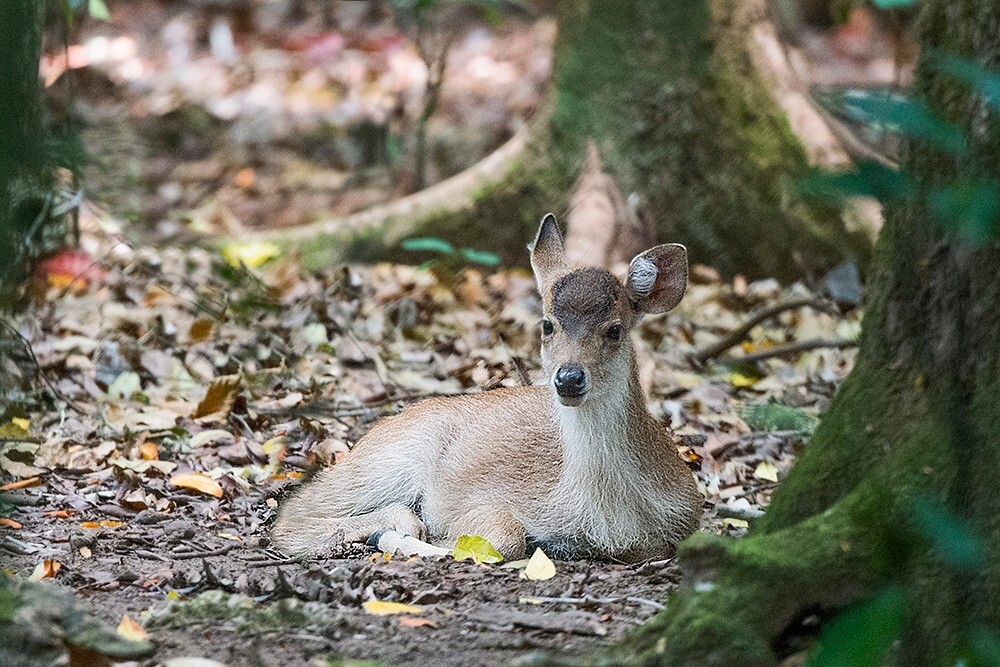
<point x="21" y="139"/>
<point x="917" y="418"/>
<point x="672" y="94"/>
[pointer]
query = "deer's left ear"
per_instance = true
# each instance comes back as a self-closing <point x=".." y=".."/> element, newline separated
<point x="657" y="279"/>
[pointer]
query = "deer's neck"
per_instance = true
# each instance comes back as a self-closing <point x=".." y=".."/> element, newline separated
<point x="604" y="486"/>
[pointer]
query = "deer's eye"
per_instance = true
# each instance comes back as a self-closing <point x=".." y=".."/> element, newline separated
<point x="614" y="332"/>
<point x="547" y="328"/>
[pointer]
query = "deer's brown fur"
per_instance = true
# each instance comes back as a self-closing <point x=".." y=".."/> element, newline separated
<point x="582" y="469"/>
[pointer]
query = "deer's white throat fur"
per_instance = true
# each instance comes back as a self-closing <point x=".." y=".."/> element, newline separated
<point x="602" y="485"/>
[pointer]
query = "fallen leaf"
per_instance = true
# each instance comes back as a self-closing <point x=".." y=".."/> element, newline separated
<point x="539" y="567"/>
<point x="742" y="381"/>
<point x="414" y="622"/>
<point x="201" y="330"/>
<point x="21" y="484"/>
<point x="85" y="552"/>
<point x="45" y="570"/>
<point x="10" y="523"/>
<point x="125" y="385"/>
<point x="477" y="548"/>
<point x="149" y="451"/>
<point x="767" y="471"/>
<point x="130" y="630"/>
<point x="197" y="481"/>
<point x="219" y="397"/>
<point x="252" y="253"/>
<point x="212" y="436"/>
<point x="59" y="514"/>
<point x="22" y="423"/>
<point x="382" y="608"/>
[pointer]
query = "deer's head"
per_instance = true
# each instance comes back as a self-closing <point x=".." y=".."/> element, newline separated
<point x="589" y="312"/>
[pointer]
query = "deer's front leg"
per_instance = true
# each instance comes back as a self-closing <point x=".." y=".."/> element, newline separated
<point x="503" y="531"/>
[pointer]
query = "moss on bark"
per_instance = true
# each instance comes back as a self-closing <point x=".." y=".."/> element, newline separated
<point x="917" y="418"/>
<point x="669" y="94"/>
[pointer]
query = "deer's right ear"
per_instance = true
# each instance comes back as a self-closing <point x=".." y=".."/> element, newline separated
<point x="548" y="258"/>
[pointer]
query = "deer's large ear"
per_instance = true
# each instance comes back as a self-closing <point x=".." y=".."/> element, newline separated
<point x="548" y="257"/>
<point x="657" y="279"/>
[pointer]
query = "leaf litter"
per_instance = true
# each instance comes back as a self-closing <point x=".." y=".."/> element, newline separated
<point x="147" y="495"/>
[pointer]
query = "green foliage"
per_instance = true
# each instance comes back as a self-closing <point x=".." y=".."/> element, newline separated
<point x="905" y="115"/>
<point x="868" y="179"/>
<point x="893" y="4"/>
<point x="861" y="635"/>
<point x="968" y="208"/>
<point x="777" y="417"/>
<point x="443" y="248"/>
<point x="950" y="537"/>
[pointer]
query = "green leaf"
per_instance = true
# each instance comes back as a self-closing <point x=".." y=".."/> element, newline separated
<point x="477" y="548"/>
<point x="893" y="4"/>
<point x="969" y="209"/>
<point x="904" y="115"/>
<point x="429" y="244"/>
<point x="870" y="179"/>
<point x="949" y="536"/>
<point x="983" y="81"/>
<point x="98" y="10"/>
<point x="862" y="634"/>
<point x="777" y="417"/>
<point x="479" y="256"/>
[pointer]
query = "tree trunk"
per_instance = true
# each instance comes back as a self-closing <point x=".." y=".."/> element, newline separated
<point x="916" y="419"/>
<point x="21" y="140"/>
<point x="670" y="92"/>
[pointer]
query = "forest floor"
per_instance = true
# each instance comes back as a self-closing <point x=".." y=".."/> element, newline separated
<point x="178" y="398"/>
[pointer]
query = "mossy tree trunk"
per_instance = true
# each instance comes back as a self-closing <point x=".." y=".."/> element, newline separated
<point x="21" y="139"/>
<point x="670" y="95"/>
<point x="917" y="419"/>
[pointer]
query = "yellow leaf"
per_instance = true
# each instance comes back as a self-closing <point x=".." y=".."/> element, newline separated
<point x="15" y="428"/>
<point x="766" y="471"/>
<point x="539" y="567"/>
<point x="251" y="253"/>
<point x="220" y="396"/>
<point x="381" y="608"/>
<point x="109" y="523"/>
<point x="45" y="570"/>
<point x="477" y="548"/>
<point x="741" y="380"/>
<point x="21" y="423"/>
<point x="130" y="630"/>
<point x="197" y="481"/>
<point x="735" y="523"/>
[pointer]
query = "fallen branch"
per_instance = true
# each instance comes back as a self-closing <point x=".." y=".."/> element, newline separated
<point x="737" y="335"/>
<point x="588" y="600"/>
<point x="747" y="514"/>
<point x="791" y="348"/>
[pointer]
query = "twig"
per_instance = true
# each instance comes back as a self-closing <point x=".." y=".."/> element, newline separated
<point x="738" y="334"/>
<point x="747" y="514"/>
<point x="791" y="348"/>
<point x="187" y="555"/>
<point x="588" y="600"/>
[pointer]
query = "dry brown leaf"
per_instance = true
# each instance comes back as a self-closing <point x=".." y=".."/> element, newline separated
<point x="47" y="569"/>
<point x="211" y="436"/>
<point x="197" y="481"/>
<point x="415" y="622"/>
<point x="220" y="396"/>
<point x="131" y="630"/>
<point x="201" y="330"/>
<point x="149" y="451"/>
<point x="60" y="514"/>
<point x="10" y="523"/>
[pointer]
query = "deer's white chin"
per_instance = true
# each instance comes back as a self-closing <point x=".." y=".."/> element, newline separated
<point x="571" y="401"/>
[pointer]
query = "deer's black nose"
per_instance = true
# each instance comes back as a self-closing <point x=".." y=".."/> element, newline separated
<point x="570" y="381"/>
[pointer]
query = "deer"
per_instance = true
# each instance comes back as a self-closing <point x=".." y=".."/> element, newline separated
<point x="576" y="466"/>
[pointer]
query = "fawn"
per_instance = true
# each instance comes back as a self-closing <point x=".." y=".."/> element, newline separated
<point x="577" y="466"/>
